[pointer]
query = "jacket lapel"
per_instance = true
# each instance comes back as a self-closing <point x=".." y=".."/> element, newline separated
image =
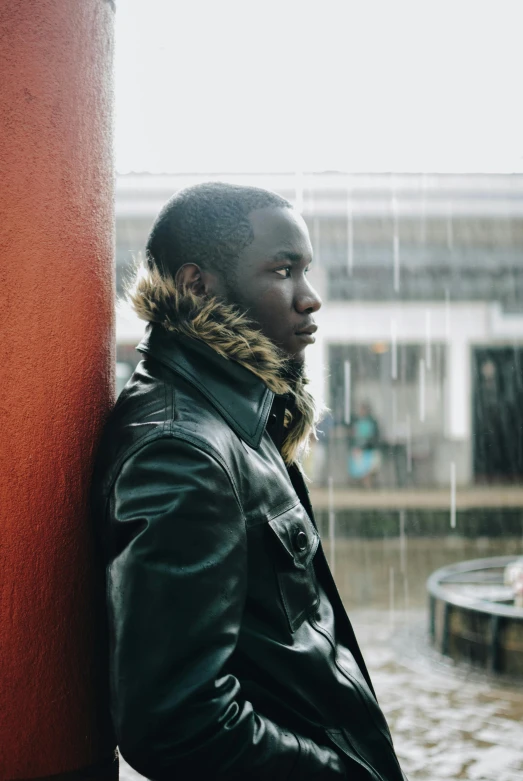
<point x="240" y="397"/>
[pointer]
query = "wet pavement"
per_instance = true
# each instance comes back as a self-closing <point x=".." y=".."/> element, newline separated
<point x="448" y="722"/>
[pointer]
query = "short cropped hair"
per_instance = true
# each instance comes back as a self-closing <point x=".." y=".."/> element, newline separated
<point x="206" y="224"/>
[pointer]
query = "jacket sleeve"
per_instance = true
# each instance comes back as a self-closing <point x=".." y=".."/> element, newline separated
<point x="177" y="580"/>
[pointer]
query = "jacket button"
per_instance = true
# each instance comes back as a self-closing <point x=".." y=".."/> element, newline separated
<point x="301" y="541"/>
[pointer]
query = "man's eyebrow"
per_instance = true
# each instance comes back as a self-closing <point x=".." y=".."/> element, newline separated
<point x="293" y="257"/>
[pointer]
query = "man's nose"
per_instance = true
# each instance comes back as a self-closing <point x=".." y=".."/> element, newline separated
<point x="308" y="300"/>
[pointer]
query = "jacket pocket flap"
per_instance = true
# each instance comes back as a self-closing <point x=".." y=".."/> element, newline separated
<point x="297" y="535"/>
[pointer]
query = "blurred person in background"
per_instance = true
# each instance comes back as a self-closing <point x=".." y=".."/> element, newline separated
<point x="364" y="454"/>
<point x="231" y="654"/>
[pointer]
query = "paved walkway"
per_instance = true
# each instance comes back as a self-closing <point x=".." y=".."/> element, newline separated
<point x="448" y="723"/>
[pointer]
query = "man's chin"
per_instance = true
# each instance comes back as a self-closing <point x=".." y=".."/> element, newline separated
<point x="294" y="356"/>
<point x="295" y="366"/>
<point x="298" y="359"/>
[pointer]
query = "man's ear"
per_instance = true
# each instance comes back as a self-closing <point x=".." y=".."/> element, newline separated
<point x="189" y="276"/>
<point x="200" y="282"/>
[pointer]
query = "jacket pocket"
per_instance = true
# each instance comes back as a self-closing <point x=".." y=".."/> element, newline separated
<point x="296" y="541"/>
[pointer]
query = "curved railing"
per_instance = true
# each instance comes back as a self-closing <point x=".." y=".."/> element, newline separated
<point x="472" y="618"/>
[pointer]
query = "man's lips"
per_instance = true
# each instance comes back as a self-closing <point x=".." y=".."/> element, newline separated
<point x="307" y="334"/>
<point x="310" y="329"/>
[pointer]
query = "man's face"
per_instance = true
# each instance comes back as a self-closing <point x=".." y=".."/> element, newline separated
<point x="271" y="280"/>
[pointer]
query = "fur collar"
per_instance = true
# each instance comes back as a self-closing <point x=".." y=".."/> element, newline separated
<point x="223" y="327"/>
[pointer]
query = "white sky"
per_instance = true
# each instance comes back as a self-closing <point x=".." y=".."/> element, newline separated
<point x="279" y="85"/>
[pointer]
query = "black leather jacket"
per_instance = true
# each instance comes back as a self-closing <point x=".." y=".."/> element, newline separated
<point x="231" y="654"/>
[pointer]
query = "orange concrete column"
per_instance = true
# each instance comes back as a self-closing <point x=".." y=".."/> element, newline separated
<point x="56" y="364"/>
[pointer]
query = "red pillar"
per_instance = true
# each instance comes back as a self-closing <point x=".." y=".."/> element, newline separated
<point x="56" y="364"/>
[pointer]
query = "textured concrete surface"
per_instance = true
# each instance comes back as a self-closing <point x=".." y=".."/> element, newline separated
<point x="56" y="278"/>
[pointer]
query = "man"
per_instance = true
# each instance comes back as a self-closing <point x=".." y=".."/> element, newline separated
<point x="231" y="654"/>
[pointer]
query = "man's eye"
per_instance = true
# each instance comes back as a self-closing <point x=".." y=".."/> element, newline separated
<point x="284" y="272"/>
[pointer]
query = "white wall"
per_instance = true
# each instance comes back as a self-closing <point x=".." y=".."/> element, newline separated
<point x="460" y="326"/>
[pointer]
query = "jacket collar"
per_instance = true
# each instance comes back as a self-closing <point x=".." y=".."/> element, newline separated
<point x="240" y="397"/>
<point x="241" y="350"/>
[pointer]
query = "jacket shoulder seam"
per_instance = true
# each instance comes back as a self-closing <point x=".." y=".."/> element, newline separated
<point x="167" y="432"/>
<point x="202" y="444"/>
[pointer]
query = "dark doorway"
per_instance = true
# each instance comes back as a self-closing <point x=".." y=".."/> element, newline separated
<point x="498" y="414"/>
